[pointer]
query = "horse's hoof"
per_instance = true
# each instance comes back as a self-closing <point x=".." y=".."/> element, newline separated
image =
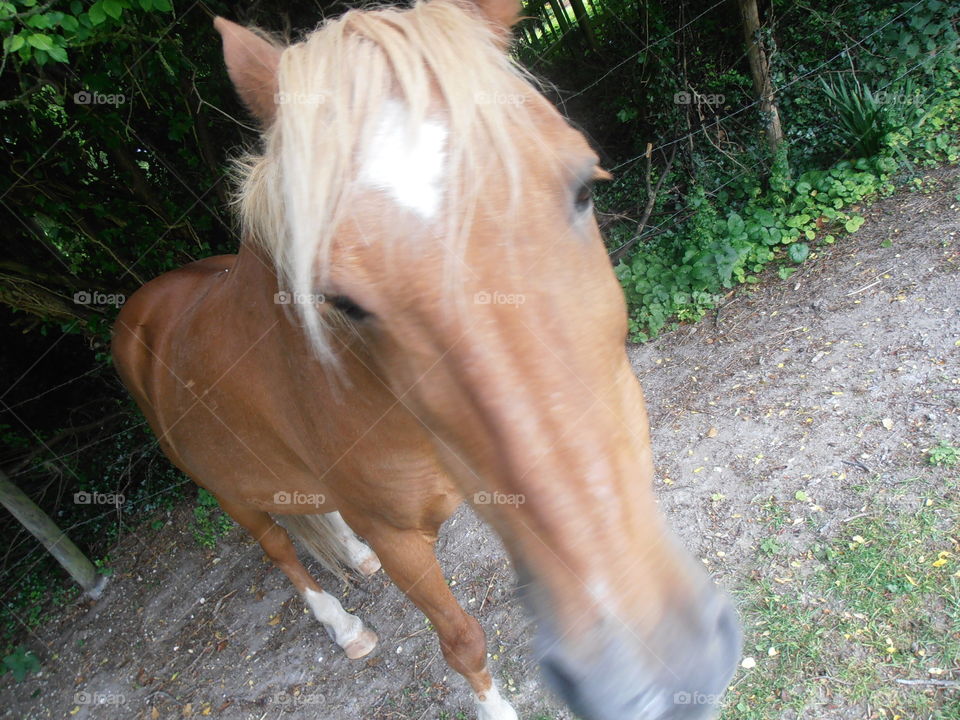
<point x="366" y="641"/>
<point x="369" y="566"/>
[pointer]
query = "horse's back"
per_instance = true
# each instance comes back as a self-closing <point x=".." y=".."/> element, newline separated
<point x="149" y="320"/>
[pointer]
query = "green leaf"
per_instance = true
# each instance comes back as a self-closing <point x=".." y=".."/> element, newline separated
<point x="798" y="252"/>
<point x="12" y="44"/>
<point x="96" y="13"/>
<point x="113" y="8"/>
<point x="58" y="54"/>
<point x="162" y="5"/>
<point x="146" y="5"/>
<point x="40" y="22"/>
<point x="735" y="224"/>
<point x="40" y="41"/>
<point x="853" y="224"/>
<point x="767" y="218"/>
<point x="69" y="23"/>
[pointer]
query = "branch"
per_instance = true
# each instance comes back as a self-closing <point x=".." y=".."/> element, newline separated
<point x="60" y="437"/>
<point x="652" y="194"/>
<point x="932" y="683"/>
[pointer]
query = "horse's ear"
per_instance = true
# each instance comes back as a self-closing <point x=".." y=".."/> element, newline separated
<point x="503" y="13"/>
<point x="252" y="64"/>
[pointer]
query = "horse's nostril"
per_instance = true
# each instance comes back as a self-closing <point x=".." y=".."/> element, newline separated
<point x="727" y="622"/>
<point x="558" y="677"/>
<point x="728" y="632"/>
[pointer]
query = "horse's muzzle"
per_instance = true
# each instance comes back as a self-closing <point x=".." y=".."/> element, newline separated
<point x="678" y="672"/>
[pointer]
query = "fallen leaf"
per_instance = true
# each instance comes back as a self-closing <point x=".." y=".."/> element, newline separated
<point x="712" y="432"/>
<point x="748" y="662"/>
<point x="888" y="423"/>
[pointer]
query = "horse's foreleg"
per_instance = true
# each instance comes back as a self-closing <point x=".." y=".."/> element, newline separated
<point x="408" y="558"/>
<point x="346" y="630"/>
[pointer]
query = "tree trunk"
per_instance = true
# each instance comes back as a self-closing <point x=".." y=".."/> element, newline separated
<point x="54" y="540"/>
<point x="760" y="70"/>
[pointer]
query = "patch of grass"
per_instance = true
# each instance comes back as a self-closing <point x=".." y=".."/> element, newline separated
<point x="774" y="514"/>
<point x="21" y="662"/>
<point x="878" y="602"/>
<point x="34" y="602"/>
<point x="943" y="455"/>
<point x="210" y="523"/>
<point x="770" y="546"/>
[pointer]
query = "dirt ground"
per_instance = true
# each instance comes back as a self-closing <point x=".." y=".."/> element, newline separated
<point x="852" y="366"/>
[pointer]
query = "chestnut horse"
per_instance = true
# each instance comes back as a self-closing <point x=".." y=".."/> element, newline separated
<point x="422" y="310"/>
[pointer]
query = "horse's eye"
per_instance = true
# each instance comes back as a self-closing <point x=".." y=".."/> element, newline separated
<point x="584" y="197"/>
<point x="348" y="307"/>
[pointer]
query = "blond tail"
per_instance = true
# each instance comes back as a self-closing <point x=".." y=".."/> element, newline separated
<point x="317" y="536"/>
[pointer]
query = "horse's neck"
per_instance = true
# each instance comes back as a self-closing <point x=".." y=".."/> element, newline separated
<point x="252" y="296"/>
<point x="253" y="283"/>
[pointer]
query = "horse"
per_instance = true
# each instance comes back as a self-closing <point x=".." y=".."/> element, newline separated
<point x="422" y="311"/>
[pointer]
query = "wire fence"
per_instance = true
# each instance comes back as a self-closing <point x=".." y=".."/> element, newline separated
<point x="714" y="192"/>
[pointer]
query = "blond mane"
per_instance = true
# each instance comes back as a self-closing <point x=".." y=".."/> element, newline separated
<point x="439" y="58"/>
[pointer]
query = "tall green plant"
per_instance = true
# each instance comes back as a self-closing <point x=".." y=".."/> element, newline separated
<point x="860" y="115"/>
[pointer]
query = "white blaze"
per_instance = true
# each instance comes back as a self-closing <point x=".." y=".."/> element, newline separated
<point x="407" y="165"/>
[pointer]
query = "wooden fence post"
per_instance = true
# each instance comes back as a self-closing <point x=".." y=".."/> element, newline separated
<point x="53" y="538"/>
